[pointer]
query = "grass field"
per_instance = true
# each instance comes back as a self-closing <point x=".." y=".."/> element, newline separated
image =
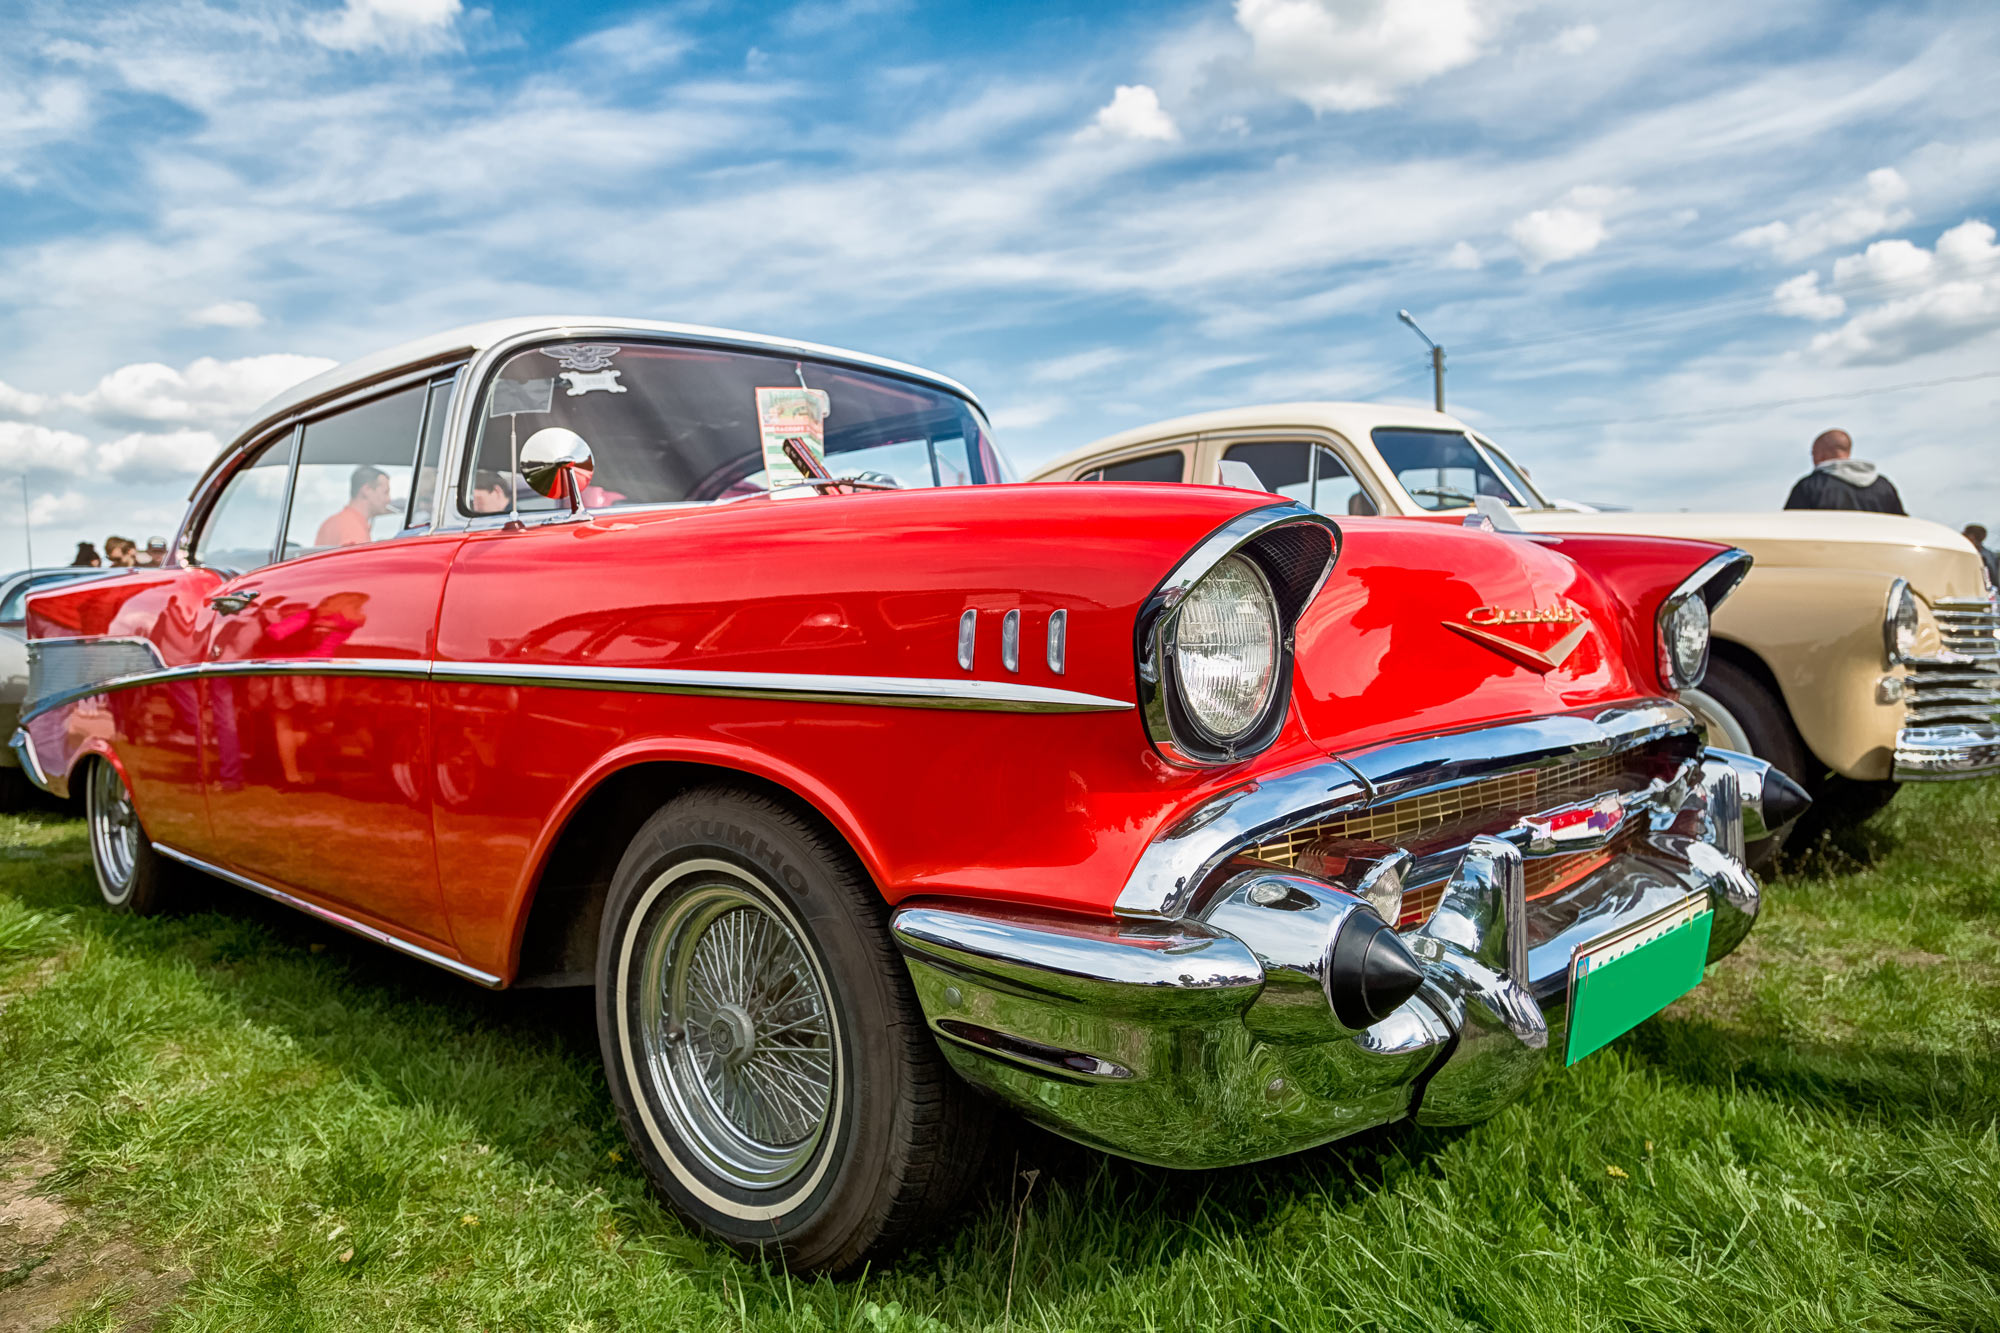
<point x="238" y="1119"/>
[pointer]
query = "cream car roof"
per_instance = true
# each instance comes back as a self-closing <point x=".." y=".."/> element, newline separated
<point x="1353" y="420"/>
<point x="1815" y="537"/>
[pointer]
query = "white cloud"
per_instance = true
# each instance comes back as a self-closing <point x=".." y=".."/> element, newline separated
<point x="19" y="403"/>
<point x="1463" y="256"/>
<point x="1062" y="369"/>
<point x="1551" y="235"/>
<point x="1134" y="112"/>
<point x="26" y="447"/>
<point x="1956" y="297"/>
<point x="1576" y="40"/>
<point x="1870" y="211"/>
<point x="69" y="506"/>
<point x="1350" y="55"/>
<point x="157" y="457"/>
<point x="207" y="393"/>
<point x="227" y="315"/>
<point x="1801" y="297"/>
<point x="390" y="24"/>
<point x="1025" y="416"/>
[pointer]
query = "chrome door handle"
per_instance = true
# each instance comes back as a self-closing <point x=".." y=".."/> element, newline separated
<point x="229" y="603"/>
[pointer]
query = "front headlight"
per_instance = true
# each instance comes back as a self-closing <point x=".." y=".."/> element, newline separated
<point x="1225" y="649"/>
<point x="1684" y="641"/>
<point x="1899" y="623"/>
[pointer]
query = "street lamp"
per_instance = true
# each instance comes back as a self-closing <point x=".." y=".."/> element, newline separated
<point x="1437" y="357"/>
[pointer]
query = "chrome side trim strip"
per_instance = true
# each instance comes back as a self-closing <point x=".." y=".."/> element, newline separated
<point x="333" y="918"/>
<point x="885" y="691"/>
<point x="881" y="691"/>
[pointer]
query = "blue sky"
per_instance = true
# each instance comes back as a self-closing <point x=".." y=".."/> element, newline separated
<point x="1658" y="242"/>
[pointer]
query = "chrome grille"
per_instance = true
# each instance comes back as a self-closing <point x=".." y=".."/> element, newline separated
<point x="1962" y="683"/>
<point x="1401" y="823"/>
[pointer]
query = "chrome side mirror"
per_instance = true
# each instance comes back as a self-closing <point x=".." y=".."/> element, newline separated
<point x="557" y="463"/>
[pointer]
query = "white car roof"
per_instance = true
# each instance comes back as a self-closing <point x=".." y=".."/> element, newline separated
<point x="471" y="338"/>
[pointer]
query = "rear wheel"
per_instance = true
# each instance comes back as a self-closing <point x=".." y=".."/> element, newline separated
<point x="764" y="1049"/>
<point x="131" y="876"/>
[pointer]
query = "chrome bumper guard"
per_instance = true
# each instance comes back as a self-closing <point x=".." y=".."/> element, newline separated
<point x="1942" y="753"/>
<point x="1215" y="1038"/>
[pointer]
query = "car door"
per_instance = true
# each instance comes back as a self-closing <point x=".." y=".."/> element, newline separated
<point x="315" y="692"/>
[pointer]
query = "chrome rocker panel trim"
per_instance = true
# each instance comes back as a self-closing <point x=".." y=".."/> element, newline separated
<point x="878" y="691"/>
<point x="333" y="918"/>
<point x="1191" y="1042"/>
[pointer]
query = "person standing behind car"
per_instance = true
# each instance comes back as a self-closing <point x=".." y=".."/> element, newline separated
<point x="1839" y="481"/>
<point x="1976" y="534"/>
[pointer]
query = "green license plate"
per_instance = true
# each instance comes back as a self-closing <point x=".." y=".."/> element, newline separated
<point x="1621" y="980"/>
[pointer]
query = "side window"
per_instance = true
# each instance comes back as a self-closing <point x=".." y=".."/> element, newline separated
<point x="1284" y="466"/>
<point x="423" y="495"/>
<point x="242" y="527"/>
<point x="1169" y="466"/>
<point x="355" y="467"/>
<point x="1335" y="490"/>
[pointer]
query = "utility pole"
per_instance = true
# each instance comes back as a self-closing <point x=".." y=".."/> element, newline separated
<point x="1437" y="358"/>
<point x="27" y="526"/>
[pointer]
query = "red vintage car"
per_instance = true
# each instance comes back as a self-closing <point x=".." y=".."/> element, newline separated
<point x="713" y="671"/>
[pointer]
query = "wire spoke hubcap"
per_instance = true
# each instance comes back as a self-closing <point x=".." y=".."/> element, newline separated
<point x="739" y="1040"/>
<point x="114" y="830"/>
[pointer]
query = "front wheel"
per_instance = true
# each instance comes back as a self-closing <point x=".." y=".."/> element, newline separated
<point x="763" y="1047"/>
<point x="1741" y="714"/>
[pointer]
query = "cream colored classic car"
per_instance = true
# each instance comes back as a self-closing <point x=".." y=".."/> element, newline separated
<point x="1862" y="651"/>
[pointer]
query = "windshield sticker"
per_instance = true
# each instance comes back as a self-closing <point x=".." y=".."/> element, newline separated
<point x="581" y="383"/>
<point x="583" y="356"/>
<point x="788" y="412"/>
<point x="512" y="397"/>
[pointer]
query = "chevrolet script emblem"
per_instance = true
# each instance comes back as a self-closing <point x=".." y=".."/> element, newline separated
<point x="1481" y="622"/>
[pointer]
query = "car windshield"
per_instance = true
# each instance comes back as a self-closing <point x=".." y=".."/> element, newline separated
<point x="1448" y="469"/>
<point x="671" y="424"/>
<point x="14" y="606"/>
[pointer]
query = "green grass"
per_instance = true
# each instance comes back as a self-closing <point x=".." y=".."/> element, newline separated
<point x="291" y="1129"/>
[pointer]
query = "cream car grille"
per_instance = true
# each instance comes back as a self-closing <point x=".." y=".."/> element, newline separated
<point x="1962" y="683"/>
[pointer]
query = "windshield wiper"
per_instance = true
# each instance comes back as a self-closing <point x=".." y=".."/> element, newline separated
<point x="1442" y="493"/>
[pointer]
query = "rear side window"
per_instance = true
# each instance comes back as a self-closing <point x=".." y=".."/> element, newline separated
<point x="242" y="526"/>
<point x="355" y="470"/>
<point x="1169" y="466"/>
<point x="1310" y="473"/>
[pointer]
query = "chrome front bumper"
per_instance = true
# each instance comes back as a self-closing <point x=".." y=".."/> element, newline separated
<point x="1941" y="753"/>
<point x="1207" y="1040"/>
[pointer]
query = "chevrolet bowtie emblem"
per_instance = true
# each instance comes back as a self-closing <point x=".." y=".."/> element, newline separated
<point x="1479" y="618"/>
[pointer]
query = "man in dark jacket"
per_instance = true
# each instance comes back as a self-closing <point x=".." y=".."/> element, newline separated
<point x="1838" y="481"/>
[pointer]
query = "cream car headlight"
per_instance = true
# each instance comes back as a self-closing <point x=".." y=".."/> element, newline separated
<point x="1684" y="641"/>
<point x="1899" y="624"/>
<point x="1226" y="649"/>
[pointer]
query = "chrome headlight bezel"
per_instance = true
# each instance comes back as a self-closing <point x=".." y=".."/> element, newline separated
<point x="1902" y="619"/>
<point x="1292" y="549"/>
<point x="1715" y="580"/>
<point x="1684" y="667"/>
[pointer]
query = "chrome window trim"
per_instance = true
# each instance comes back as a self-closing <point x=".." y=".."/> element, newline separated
<point x="455" y="460"/>
<point x="331" y="917"/>
<point x="1183" y="855"/>
<point x="880" y="691"/>
<point x="1715" y="580"/>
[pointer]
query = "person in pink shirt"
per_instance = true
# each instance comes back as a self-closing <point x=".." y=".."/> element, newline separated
<point x="352" y="523"/>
